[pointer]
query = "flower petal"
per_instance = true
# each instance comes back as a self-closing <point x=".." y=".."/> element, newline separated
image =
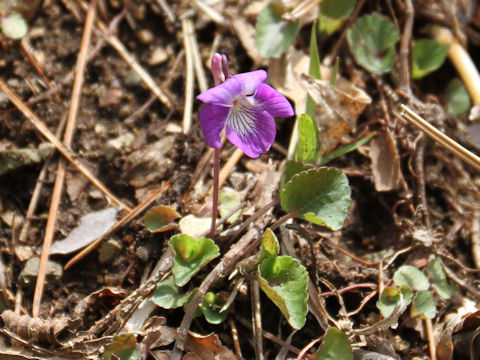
<point x="212" y="119"/>
<point x="250" y="81"/>
<point x="273" y="102"/>
<point x="223" y="94"/>
<point x="251" y="129"/>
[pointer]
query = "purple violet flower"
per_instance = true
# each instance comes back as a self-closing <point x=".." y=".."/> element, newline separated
<point x="245" y="106"/>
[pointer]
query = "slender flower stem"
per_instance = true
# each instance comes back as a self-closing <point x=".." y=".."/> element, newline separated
<point x="216" y="173"/>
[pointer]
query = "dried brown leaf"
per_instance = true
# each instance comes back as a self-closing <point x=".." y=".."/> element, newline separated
<point x="385" y="162"/>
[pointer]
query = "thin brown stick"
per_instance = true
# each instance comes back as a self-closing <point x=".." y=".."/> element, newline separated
<point x="256" y="319"/>
<point x="236" y="343"/>
<point x="187" y="30"/>
<point x="131" y="215"/>
<point x="404" y="82"/>
<point x="59" y="180"/>
<point x="228" y="167"/>
<point x="66" y="152"/>
<point x="431" y="339"/>
<point x="442" y="139"/>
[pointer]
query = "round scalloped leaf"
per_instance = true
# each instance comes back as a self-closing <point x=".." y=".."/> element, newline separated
<point x="190" y="256"/>
<point x="335" y="346"/>
<point x="321" y="196"/>
<point x="167" y="294"/>
<point x="424" y="305"/>
<point x="160" y="219"/>
<point x="273" y="34"/>
<point x="14" y="26"/>
<point x="412" y="277"/>
<point x="372" y="42"/>
<point x="443" y="288"/>
<point x="428" y="56"/>
<point x="388" y="300"/>
<point x="284" y="280"/>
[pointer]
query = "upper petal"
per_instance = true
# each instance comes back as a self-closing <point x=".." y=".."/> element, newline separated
<point x="212" y="119"/>
<point x="273" y="102"/>
<point x="250" y="81"/>
<point x="252" y="130"/>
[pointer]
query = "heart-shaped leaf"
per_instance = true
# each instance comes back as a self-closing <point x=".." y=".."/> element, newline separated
<point x="424" y="305"/>
<point x="412" y="277"/>
<point x="293" y="167"/>
<point x="167" y="294"/>
<point x="270" y="246"/>
<point x="274" y="35"/>
<point x="160" y="218"/>
<point x="211" y="309"/>
<point x="308" y="145"/>
<point x="372" y="42"/>
<point x="190" y="256"/>
<point x="435" y="270"/>
<point x="458" y="98"/>
<point x="335" y="346"/>
<point x="321" y="196"/>
<point x="284" y="280"/>
<point x="428" y="56"/>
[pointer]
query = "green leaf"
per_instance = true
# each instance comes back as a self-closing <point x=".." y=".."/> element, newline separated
<point x="308" y="144"/>
<point x="424" y="305"/>
<point x="270" y="246"/>
<point x="345" y="149"/>
<point x="412" y="277"/>
<point x="284" y="280"/>
<point x="335" y="346"/>
<point x="321" y="196"/>
<point x="337" y="9"/>
<point x="407" y="293"/>
<point x="313" y="69"/>
<point x="274" y="35"/>
<point x="124" y="347"/>
<point x="160" y="218"/>
<point x="211" y="310"/>
<point x="388" y="300"/>
<point x="229" y="200"/>
<point x="293" y="167"/>
<point x="327" y="25"/>
<point x="435" y="270"/>
<point x="458" y="98"/>
<point x="14" y="26"/>
<point x="167" y="294"/>
<point x="190" y="255"/>
<point x="428" y="56"/>
<point x="371" y="40"/>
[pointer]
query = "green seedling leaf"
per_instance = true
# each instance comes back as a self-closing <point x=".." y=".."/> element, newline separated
<point x="424" y="305"/>
<point x="308" y="144"/>
<point x="270" y="246"/>
<point x="337" y="9"/>
<point x="167" y="294"/>
<point x="294" y="167"/>
<point x="284" y="280"/>
<point x="335" y="346"/>
<point x="211" y="310"/>
<point x="346" y="149"/>
<point x="160" y="219"/>
<point x="372" y="42"/>
<point x="274" y="35"/>
<point x="428" y="56"/>
<point x="388" y="300"/>
<point x="14" y="26"/>
<point x="229" y="200"/>
<point x="412" y="277"/>
<point x="435" y="270"/>
<point x="458" y="98"/>
<point x="407" y="294"/>
<point x="313" y="69"/>
<point x="124" y="347"/>
<point x="190" y="256"/>
<point x="328" y="25"/>
<point x="321" y="196"/>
